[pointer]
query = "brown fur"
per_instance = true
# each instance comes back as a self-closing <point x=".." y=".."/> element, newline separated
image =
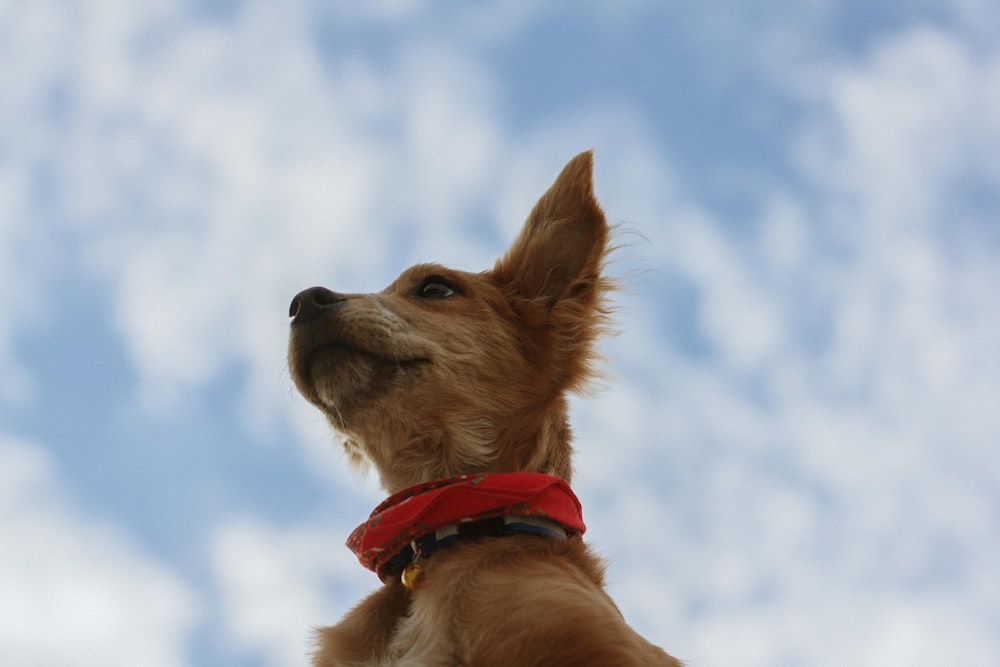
<point x="424" y="383"/>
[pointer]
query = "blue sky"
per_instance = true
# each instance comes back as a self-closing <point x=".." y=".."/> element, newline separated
<point x="794" y="461"/>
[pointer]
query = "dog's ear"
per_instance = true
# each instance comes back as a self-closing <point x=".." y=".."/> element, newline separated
<point x="552" y="276"/>
<point x="560" y="251"/>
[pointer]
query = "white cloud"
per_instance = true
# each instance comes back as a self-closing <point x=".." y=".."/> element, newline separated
<point x="20" y="294"/>
<point x="218" y="169"/>
<point x="26" y="78"/>
<point x="910" y="123"/>
<point x="277" y="585"/>
<point x="831" y="473"/>
<point x="915" y="313"/>
<point x="75" y="591"/>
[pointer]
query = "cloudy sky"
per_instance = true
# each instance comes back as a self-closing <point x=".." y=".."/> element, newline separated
<point x="796" y="460"/>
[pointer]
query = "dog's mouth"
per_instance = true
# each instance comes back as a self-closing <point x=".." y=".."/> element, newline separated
<point x="337" y="353"/>
<point x="341" y="377"/>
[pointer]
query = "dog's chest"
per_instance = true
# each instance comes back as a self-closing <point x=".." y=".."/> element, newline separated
<point x="431" y="632"/>
<point x="423" y="638"/>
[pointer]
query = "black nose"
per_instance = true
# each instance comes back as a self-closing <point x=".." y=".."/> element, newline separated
<point x="310" y="302"/>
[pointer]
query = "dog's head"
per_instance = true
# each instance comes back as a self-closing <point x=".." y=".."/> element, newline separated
<point x="446" y="372"/>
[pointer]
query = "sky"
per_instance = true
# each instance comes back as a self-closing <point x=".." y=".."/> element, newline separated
<point x="794" y="461"/>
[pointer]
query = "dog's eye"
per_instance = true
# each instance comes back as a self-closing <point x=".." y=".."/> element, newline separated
<point x="434" y="287"/>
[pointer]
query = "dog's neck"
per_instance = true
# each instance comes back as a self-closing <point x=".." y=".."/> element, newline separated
<point x="426" y="517"/>
<point x="537" y="440"/>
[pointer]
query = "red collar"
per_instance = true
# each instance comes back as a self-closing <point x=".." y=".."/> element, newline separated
<point x="420" y="510"/>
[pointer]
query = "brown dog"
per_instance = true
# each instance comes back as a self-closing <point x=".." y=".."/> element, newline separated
<point x="447" y="373"/>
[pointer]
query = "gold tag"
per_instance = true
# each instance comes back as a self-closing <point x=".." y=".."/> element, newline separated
<point x="411" y="576"/>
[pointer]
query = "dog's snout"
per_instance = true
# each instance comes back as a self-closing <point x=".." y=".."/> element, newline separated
<point x="312" y="301"/>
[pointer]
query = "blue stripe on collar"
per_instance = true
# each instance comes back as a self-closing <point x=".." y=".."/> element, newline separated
<point x="442" y="538"/>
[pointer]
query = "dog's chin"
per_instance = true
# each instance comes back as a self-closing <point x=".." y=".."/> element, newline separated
<point x="346" y="380"/>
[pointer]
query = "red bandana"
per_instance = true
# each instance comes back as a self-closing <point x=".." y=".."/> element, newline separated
<point x="419" y="510"/>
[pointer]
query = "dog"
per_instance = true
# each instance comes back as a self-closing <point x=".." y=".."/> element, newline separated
<point x="454" y="385"/>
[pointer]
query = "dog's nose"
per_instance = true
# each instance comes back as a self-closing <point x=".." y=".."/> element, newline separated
<point x="310" y="302"/>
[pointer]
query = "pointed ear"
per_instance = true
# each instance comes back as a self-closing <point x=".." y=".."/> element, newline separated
<point x="559" y="252"/>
